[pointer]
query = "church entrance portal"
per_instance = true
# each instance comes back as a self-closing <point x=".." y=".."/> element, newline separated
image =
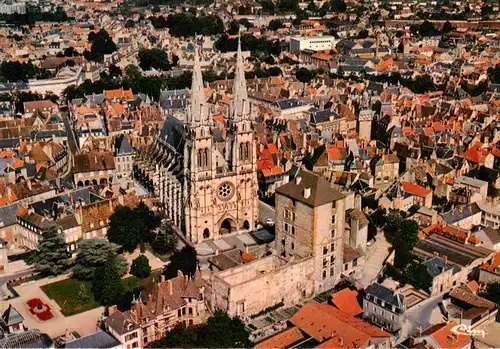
<point x="226" y="227"/>
<point x="206" y="233"/>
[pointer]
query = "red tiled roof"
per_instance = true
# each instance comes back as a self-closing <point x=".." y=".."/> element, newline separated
<point x="272" y="148"/>
<point x="445" y="338"/>
<point x="262" y="164"/>
<point x="493" y="265"/>
<point x="408" y="131"/>
<point x="473" y="154"/>
<point x="415" y="189"/>
<point x="473" y="285"/>
<point x="266" y="154"/>
<point x="347" y="301"/>
<point x="324" y="322"/>
<point x="272" y="171"/>
<point x="282" y="339"/>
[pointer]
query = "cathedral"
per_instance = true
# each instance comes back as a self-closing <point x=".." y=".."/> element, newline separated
<point x="205" y="174"/>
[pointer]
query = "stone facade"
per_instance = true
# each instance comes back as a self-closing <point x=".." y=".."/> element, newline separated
<point x="250" y="288"/>
<point x="308" y="256"/>
<point x="170" y="302"/>
<point x="205" y="176"/>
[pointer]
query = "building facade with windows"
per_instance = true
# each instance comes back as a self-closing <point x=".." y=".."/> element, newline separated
<point x="170" y="302"/>
<point x="384" y="307"/>
<point x="309" y="254"/>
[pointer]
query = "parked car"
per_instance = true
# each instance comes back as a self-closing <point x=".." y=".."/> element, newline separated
<point x="270" y="222"/>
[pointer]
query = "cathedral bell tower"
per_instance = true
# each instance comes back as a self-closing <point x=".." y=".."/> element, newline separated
<point x="198" y="147"/>
<point x="240" y="128"/>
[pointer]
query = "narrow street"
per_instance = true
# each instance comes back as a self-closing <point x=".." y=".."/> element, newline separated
<point x="5" y="279"/>
<point x="266" y="212"/>
<point x="73" y="144"/>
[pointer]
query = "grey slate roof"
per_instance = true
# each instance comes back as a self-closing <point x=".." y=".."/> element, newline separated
<point x="96" y="340"/>
<point x="385" y="294"/>
<point x="123" y="146"/>
<point x="8" y="215"/>
<point x="287" y="103"/>
<point x="436" y="266"/>
<point x="11" y="316"/>
<point x="460" y="213"/>
<point x="172" y="133"/>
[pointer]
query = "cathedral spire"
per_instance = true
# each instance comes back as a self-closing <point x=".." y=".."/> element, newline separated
<point x="240" y="107"/>
<point x="196" y="113"/>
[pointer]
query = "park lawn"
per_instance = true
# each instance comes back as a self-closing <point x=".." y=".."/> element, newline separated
<point x="65" y="293"/>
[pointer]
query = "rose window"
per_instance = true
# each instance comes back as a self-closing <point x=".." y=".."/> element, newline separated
<point x="225" y="191"/>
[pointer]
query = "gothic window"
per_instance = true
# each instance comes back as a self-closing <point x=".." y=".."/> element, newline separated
<point x="206" y="157"/>
<point x="199" y="158"/>
<point x="241" y="152"/>
<point x="247" y="151"/>
<point x="225" y="191"/>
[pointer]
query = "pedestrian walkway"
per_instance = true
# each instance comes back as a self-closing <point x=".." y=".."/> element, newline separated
<point x="375" y="257"/>
<point x="84" y="323"/>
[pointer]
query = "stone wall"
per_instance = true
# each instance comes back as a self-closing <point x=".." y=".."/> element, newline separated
<point x="253" y="287"/>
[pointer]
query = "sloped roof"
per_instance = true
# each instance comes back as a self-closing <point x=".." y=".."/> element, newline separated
<point x="323" y="322"/>
<point x="346" y="300"/>
<point x="99" y="339"/>
<point x="321" y="190"/>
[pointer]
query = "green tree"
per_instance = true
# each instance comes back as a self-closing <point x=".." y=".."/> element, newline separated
<point x="155" y="58"/>
<point x="71" y="92"/>
<point x="416" y="274"/>
<point x="93" y="254"/>
<point x="447" y="27"/>
<point x="107" y="285"/>
<point x="165" y="241"/>
<point x="246" y="23"/>
<point x="16" y="71"/>
<point x="83" y="293"/>
<point x="494" y="74"/>
<point x="184" y="260"/>
<point x="130" y="23"/>
<point x="102" y="44"/>
<point x="492" y="292"/>
<point x="338" y="6"/>
<point x="268" y="6"/>
<point x="140" y="267"/>
<point x="363" y="34"/>
<point x="234" y="27"/>
<point x="52" y="256"/>
<point x="130" y="227"/>
<point x="274" y="71"/>
<point x="403" y="235"/>
<point x="304" y="75"/>
<point x="288" y="5"/>
<point x="275" y="24"/>
<point x="427" y="29"/>
<point x="220" y="331"/>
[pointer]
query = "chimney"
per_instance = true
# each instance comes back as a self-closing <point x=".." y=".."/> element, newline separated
<point x="179" y="273"/>
<point x="307" y="192"/>
<point x="170" y="288"/>
<point x="341" y="341"/>
<point x="112" y="309"/>
<point x="420" y="331"/>
<point x="445" y="258"/>
<point x="298" y="180"/>
<point x="162" y="279"/>
<point x="28" y="182"/>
